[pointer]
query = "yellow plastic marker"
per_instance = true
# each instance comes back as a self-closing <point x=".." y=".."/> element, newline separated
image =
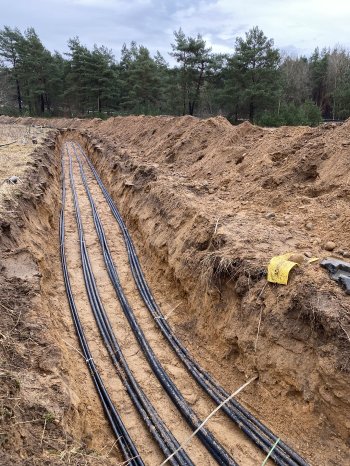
<point x="279" y="268"/>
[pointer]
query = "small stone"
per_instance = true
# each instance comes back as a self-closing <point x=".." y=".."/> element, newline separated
<point x="346" y="253"/>
<point x="309" y="226"/>
<point x="270" y="215"/>
<point x="238" y="179"/>
<point x="301" y="245"/>
<point x="13" y="180"/>
<point x="281" y="223"/>
<point x="209" y="173"/>
<point x="329" y="246"/>
<point x="128" y="183"/>
<point x="89" y="408"/>
<point x="308" y="254"/>
<point x="333" y="216"/>
<point x="211" y="191"/>
<point x="298" y="258"/>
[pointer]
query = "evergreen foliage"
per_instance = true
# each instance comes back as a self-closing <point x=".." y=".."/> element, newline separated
<point x="254" y="82"/>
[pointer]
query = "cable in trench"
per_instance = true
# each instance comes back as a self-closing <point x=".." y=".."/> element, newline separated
<point x="126" y="444"/>
<point x="262" y="436"/>
<point x="157" y="428"/>
<point x="213" y="446"/>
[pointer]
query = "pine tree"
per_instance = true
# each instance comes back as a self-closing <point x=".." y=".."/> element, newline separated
<point x="10" y="40"/>
<point x="101" y="77"/>
<point x="76" y="92"/>
<point x="140" y="79"/>
<point x="36" y="71"/>
<point x="254" y="72"/>
<point x="195" y="62"/>
<point x="56" y="84"/>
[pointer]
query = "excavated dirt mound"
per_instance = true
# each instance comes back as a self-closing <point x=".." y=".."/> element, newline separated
<point x="208" y="205"/>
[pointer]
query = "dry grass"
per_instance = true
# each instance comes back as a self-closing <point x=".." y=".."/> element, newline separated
<point x="214" y="266"/>
<point x="14" y="158"/>
<point x="21" y="133"/>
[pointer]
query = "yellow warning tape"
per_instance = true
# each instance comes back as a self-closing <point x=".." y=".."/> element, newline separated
<point x="279" y="268"/>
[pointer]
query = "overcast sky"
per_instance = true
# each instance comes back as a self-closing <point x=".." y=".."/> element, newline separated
<point x="297" y="26"/>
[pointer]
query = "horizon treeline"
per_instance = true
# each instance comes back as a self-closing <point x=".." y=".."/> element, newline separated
<point x="254" y="82"/>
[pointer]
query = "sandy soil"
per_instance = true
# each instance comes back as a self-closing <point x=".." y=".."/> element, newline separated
<point x="208" y="205"/>
<point x="46" y="398"/>
<point x="219" y="238"/>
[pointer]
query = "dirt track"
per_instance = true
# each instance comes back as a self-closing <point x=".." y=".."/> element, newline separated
<point x="195" y="195"/>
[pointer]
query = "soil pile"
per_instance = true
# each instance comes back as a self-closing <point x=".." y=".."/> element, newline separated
<point x="214" y="203"/>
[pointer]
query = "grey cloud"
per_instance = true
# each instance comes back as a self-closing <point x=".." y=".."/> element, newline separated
<point x="297" y="26"/>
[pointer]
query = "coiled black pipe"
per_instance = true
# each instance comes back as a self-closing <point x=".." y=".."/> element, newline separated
<point x="251" y="426"/>
<point x="161" y="433"/>
<point x="127" y="446"/>
<point x="212" y="445"/>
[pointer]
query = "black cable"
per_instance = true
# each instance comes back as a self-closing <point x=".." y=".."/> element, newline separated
<point x="251" y="426"/>
<point x="213" y="446"/>
<point x="127" y="446"/>
<point x="161" y="433"/>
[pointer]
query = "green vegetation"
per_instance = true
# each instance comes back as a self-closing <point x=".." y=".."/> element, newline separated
<point x="254" y="82"/>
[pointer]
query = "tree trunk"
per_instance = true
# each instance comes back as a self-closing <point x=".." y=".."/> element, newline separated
<point x="184" y="101"/>
<point x="251" y="111"/>
<point x="184" y="88"/>
<point x="19" y="97"/>
<point x="47" y="102"/>
<point x="42" y="103"/>
<point x="198" y="88"/>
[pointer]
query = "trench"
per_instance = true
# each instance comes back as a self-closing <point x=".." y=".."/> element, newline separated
<point x="51" y="410"/>
<point x="136" y="361"/>
<point x="71" y="398"/>
<point x="278" y="399"/>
